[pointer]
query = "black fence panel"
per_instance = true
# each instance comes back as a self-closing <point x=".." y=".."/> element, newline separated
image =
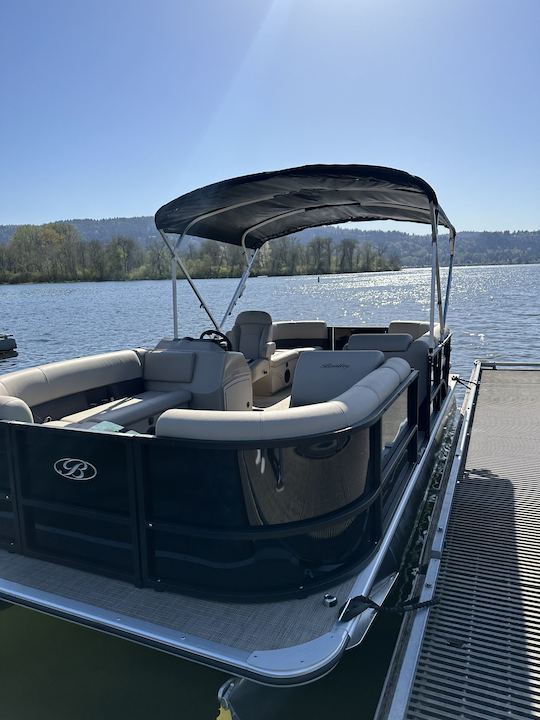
<point x="191" y="485"/>
<point x="8" y="517"/>
<point x="249" y="523"/>
<point x="258" y="568"/>
<point x="76" y="498"/>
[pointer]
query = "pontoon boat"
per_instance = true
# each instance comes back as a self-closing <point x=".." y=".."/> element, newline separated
<point x="261" y="479"/>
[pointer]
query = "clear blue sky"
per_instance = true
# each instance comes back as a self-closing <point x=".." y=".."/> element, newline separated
<point x="111" y="108"/>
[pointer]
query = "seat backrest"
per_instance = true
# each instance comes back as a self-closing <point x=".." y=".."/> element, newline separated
<point x="46" y="383"/>
<point x="251" y="333"/>
<point x="217" y="380"/>
<point x="167" y="370"/>
<point x="380" y="341"/>
<point x="321" y="376"/>
<point x="298" y="333"/>
<point x="399" y="345"/>
<point x="416" y="328"/>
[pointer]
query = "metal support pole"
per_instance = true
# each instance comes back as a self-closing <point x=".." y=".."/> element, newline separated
<point x="174" y="299"/>
<point x="433" y="264"/>
<point x="196" y="291"/>
<point x="449" y="280"/>
<point x="239" y="289"/>
<point x="435" y="275"/>
<point x="176" y="259"/>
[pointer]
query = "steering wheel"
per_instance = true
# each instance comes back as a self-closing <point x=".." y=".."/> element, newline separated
<point x="217" y="337"/>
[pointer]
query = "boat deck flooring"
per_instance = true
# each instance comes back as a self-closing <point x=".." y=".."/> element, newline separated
<point x="280" y="398"/>
<point x="246" y="626"/>
<point x="480" y="654"/>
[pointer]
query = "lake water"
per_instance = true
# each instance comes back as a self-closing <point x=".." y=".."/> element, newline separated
<point x="51" y="669"/>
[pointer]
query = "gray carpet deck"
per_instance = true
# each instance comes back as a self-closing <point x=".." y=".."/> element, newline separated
<point x="269" y="401"/>
<point x="480" y="656"/>
<point x="255" y="626"/>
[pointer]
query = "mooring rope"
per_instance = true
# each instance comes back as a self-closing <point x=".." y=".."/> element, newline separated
<point x="359" y="603"/>
<point x="465" y="383"/>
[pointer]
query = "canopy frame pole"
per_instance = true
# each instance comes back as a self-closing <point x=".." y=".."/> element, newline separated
<point x="177" y="260"/>
<point x="435" y="274"/>
<point x="220" y="210"/>
<point x="243" y="280"/>
<point x="449" y="279"/>
<point x="174" y="298"/>
<point x="439" y="290"/>
<point x="240" y="287"/>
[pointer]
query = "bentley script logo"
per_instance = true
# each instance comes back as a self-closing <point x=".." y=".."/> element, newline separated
<point x="75" y="469"/>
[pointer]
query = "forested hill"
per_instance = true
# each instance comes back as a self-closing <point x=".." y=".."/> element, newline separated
<point x="473" y="248"/>
<point x="141" y="229"/>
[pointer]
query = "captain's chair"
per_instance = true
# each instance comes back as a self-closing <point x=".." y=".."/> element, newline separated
<point x="251" y="335"/>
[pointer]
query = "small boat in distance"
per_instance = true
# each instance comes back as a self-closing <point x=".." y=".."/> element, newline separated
<point x="7" y="344"/>
<point x="265" y="479"/>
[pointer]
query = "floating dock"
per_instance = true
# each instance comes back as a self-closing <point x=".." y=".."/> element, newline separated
<point x="476" y="652"/>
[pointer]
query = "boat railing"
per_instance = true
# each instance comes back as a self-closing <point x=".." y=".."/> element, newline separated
<point x="439" y="361"/>
<point x="171" y="514"/>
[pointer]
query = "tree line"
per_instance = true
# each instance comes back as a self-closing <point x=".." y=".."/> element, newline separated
<point x="55" y="252"/>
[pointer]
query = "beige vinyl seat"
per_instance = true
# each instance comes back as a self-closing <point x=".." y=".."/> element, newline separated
<point x="417" y="329"/>
<point x="292" y="337"/>
<point x="321" y="376"/>
<point x="49" y="390"/>
<point x="132" y="410"/>
<point x="251" y="335"/>
<point x="332" y="391"/>
<point x="162" y="373"/>
<point x="300" y="335"/>
<point x="407" y="339"/>
<point x="61" y="388"/>
<point x="128" y="388"/>
<point x="399" y="345"/>
<point x="359" y="392"/>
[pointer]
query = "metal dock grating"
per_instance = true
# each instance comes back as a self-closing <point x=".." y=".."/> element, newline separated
<point x="480" y="655"/>
<point x="476" y="653"/>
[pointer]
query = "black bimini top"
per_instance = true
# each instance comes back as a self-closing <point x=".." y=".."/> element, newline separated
<point x="258" y="208"/>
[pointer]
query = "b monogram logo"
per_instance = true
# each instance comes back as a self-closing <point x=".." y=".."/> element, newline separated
<point x="75" y="469"/>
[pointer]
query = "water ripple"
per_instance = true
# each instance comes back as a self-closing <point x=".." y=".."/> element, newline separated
<point x="493" y="310"/>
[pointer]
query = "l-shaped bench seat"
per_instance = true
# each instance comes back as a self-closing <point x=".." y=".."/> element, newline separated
<point x="160" y="369"/>
<point x="52" y="391"/>
<point x="330" y="392"/>
<point x="128" y="388"/>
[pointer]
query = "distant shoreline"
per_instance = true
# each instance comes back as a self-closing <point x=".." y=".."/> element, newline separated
<point x="59" y="252"/>
<point x="237" y="277"/>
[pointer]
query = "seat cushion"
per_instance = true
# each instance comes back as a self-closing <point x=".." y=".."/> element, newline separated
<point x="279" y="357"/>
<point x="166" y="370"/>
<point x="133" y="409"/>
<point x="13" y="408"/>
